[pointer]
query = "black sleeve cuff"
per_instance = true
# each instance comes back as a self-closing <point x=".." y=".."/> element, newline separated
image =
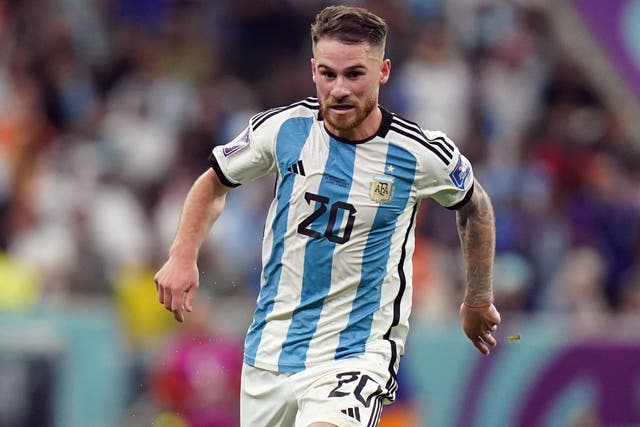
<point x="213" y="162"/>
<point x="464" y="201"/>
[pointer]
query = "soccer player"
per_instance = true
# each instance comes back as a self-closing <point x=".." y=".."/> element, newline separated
<point x="332" y="314"/>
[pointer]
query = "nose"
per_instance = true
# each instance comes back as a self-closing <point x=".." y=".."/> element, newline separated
<point x="340" y="88"/>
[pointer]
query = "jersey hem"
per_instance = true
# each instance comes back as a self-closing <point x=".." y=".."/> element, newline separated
<point x="251" y="361"/>
<point x="298" y="367"/>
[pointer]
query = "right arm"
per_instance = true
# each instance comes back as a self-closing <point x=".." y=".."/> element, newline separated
<point x="177" y="281"/>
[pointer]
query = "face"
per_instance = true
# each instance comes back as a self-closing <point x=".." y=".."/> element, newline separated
<point x="348" y="79"/>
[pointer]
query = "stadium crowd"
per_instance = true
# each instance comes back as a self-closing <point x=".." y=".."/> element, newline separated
<point x="108" y="110"/>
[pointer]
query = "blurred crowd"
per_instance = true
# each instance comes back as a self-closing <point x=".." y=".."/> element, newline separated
<point x="109" y="108"/>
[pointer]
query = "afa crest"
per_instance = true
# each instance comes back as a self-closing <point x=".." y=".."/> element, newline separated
<point x="381" y="189"/>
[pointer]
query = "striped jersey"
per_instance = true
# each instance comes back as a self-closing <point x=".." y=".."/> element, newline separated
<point x="339" y="234"/>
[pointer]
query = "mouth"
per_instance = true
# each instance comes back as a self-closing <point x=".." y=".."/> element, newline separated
<point x="341" y="108"/>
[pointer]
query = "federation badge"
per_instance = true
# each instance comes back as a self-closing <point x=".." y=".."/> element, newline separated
<point x="381" y="188"/>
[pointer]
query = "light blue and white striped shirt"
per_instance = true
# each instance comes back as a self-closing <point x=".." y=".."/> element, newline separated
<point x="339" y="235"/>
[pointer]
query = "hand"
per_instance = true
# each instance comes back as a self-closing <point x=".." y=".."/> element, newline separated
<point x="478" y="323"/>
<point x="177" y="282"/>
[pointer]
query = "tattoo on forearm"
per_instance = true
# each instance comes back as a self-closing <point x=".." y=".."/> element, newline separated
<point x="476" y="227"/>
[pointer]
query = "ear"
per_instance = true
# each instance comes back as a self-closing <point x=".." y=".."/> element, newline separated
<point x="313" y="69"/>
<point x="385" y="71"/>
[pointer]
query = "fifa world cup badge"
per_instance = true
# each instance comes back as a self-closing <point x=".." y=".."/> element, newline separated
<point x="381" y="188"/>
<point x="237" y="144"/>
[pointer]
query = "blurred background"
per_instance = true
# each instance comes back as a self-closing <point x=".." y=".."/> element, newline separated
<point x="109" y="108"/>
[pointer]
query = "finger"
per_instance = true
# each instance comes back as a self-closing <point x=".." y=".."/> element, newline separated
<point x="177" y="297"/>
<point x="489" y="339"/>
<point x="481" y="346"/>
<point x="167" y="299"/>
<point x="156" y="280"/>
<point x="160" y="294"/>
<point x="177" y="314"/>
<point x="188" y="301"/>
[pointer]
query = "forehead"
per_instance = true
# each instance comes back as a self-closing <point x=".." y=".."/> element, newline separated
<point x="334" y="53"/>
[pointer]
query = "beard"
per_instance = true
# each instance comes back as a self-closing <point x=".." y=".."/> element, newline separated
<point x="347" y="122"/>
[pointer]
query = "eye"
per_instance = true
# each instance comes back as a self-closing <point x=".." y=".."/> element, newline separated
<point x="354" y="74"/>
<point x="328" y="74"/>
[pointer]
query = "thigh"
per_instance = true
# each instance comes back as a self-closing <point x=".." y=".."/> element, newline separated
<point x="345" y="393"/>
<point x="266" y="399"/>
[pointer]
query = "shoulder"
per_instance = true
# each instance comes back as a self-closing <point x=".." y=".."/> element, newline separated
<point x="307" y="107"/>
<point x="432" y="143"/>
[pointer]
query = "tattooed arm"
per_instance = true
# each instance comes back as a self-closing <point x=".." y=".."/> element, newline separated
<point x="476" y="227"/>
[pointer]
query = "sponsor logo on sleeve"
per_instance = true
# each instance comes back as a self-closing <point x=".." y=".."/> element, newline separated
<point x="460" y="173"/>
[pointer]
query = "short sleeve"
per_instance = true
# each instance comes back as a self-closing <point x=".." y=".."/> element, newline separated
<point x="445" y="175"/>
<point x="246" y="158"/>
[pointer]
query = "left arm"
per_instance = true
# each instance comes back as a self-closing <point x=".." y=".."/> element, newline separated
<point x="476" y="228"/>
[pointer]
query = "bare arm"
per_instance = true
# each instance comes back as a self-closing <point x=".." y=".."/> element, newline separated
<point x="177" y="281"/>
<point x="476" y="228"/>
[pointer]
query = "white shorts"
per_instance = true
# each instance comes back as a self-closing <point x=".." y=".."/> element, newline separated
<point x="347" y="393"/>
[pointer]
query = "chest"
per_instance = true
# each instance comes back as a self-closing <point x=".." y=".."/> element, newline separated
<point x="341" y="184"/>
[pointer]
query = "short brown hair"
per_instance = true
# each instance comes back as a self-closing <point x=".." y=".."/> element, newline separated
<point x="349" y="25"/>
